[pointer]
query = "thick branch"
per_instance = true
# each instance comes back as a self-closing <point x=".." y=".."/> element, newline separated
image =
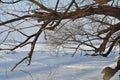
<point x="114" y="28"/>
<point x="112" y="45"/>
<point x="111" y="30"/>
<point x="35" y="40"/>
<point x="79" y="13"/>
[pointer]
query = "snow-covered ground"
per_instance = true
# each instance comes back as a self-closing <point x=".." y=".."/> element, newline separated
<point x="49" y="66"/>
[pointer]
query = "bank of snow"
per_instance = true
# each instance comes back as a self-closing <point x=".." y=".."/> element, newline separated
<point x="46" y="66"/>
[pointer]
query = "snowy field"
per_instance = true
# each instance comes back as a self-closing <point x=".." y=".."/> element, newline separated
<point x="51" y="66"/>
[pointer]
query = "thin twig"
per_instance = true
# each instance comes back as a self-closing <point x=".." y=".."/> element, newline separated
<point x="18" y="63"/>
<point x="27" y="73"/>
<point x="57" y="5"/>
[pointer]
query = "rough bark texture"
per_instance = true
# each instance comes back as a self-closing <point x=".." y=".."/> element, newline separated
<point x="51" y="18"/>
<point x="109" y="72"/>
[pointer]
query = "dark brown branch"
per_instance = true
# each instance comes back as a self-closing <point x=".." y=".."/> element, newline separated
<point x="24" y="42"/>
<point x="35" y="40"/>
<point x="18" y="63"/>
<point x="108" y="10"/>
<point x="62" y="17"/>
<point x="57" y="5"/>
<point x="107" y="37"/>
<point x="111" y="46"/>
<point x="76" y="50"/>
<point x="118" y="64"/>
<point x="114" y="27"/>
<point x="105" y="41"/>
<point x="50" y="15"/>
<point x="76" y="5"/>
<point x="85" y="43"/>
<point x="15" y="19"/>
<point x="105" y="10"/>
<point x="42" y="6"/>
